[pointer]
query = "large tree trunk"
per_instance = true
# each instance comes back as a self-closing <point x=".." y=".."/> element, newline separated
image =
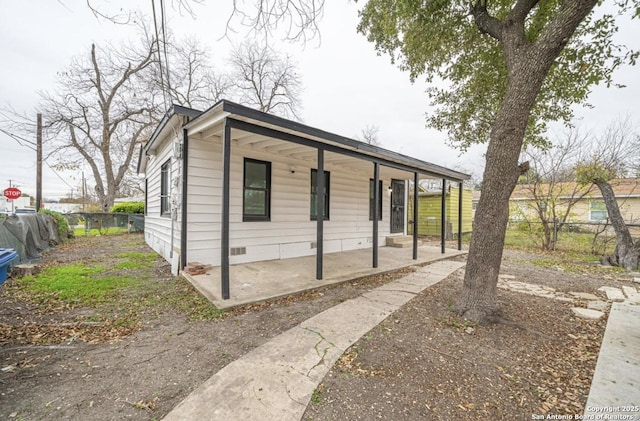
<point x="527" y="67"/>
<point x="478" y="301"/>
<point x="626" y="254"/>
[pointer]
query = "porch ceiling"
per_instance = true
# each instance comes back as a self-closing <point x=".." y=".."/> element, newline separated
<point x="309" y="155"/>
<point x="253" y="129"/>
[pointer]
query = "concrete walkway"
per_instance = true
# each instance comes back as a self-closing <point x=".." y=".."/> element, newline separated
<point x="615" y="388"/>
<point x="276" y="380"/>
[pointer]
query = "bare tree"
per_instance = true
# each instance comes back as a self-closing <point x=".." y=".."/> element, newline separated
<point x="103" y="108"/>
<point x="300" y="17"/>
<point x="187" y="76"/>
<point x="266" y="80"/>
<point x="123" y="16"/>
<point x="369" y="135"/>
<point x="614" y="154"/>
<point x="550" y="185"/>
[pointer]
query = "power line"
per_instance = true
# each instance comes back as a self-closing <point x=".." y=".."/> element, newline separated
<point x="155" y="25"/>
<point x="164" y="44"/>
<point x="58" y="175"/>
<point x="31" y="145"/>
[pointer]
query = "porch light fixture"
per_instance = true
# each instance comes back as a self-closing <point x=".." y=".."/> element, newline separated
<point x="389" y="190"/>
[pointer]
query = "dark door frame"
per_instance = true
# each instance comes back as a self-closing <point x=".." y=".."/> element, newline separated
<point x="394" y="208"/>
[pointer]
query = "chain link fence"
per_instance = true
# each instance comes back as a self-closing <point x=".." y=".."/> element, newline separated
<point x="594" y="237"/>
<point x="105" y="223"/>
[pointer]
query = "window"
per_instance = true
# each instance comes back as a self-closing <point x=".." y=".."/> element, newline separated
<point x="371" y="200"/>
<point x="256" y="204"/>
<point x="597" y="211"/>
<point x="165" y="183"/>
<point x="314" y="195"/>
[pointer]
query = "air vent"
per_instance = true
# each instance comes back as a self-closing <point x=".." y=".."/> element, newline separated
<point x="237" y="251"/>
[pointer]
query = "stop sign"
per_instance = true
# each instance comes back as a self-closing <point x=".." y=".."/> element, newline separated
<point x="12" y="193"/>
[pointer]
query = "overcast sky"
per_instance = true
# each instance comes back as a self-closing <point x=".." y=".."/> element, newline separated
<point x="346" y="85"/>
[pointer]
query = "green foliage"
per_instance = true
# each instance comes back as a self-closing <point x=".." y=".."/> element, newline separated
<point x="440" y="40"/>
<point x="594" y="172"/>
<point x="63" y="225"/>
<point x="128" y="207"/>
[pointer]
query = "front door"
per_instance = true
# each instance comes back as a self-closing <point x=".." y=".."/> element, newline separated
<point x="397" y="206"/>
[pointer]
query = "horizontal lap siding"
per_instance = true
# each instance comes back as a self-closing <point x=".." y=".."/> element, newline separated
<point x="290" y="232"/>
<point x="204" y="199"/>
<point x="157" y="228"/>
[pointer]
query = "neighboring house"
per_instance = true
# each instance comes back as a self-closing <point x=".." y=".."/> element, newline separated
<point x="13" y="204"/>
<point x="232" y="185"/>
<point x="430" y="209"/>
<point x="590" y="209"/>
<point x="475" y="198"/>
<point x="63" y="207"/>
<point x="129" y="199"/>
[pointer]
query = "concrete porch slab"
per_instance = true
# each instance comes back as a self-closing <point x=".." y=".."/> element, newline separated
<point x="260" y="281"/>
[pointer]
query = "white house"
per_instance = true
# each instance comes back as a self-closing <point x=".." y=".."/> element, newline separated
<point x="8" y="205"/>
<point x="232" y="185"/>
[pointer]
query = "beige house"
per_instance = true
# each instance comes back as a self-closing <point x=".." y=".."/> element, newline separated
<point x="589" y="208"/>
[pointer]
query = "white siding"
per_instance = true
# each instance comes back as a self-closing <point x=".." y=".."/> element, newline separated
<point x="160" y="231"/>
<point x="290" y="232"/>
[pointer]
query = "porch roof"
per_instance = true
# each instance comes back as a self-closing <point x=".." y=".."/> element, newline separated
<point x="260" y="127"/>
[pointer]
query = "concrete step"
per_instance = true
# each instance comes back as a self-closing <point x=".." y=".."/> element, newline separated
<point x="404" y="241"/>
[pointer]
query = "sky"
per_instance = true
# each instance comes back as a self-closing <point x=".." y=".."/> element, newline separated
<point x="347" y="86"/>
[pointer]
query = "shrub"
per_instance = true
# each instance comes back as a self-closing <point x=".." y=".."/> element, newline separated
<point x="63" y="225"/>
<point x="128" y="207"/>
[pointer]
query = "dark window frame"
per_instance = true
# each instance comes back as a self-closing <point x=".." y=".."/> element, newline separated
<point x="267" y="190"/>
<point x="380" y="184"/>
<point x="327" y="187"/>
<point x="165" y="188"/>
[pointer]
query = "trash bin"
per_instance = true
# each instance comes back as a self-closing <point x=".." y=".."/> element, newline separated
<point x="6" y="257"/>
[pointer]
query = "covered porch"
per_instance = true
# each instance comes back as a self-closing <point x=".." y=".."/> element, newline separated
<point x="261" y="281"/>
<point x="281" y="148"/>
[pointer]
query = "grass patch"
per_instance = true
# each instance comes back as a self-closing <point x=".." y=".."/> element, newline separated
<point x="81" y="232"/>
<point x="573" y="243"/>
<point x="75" y="284"/>
<point x="315" y="395"/>
<point x="136" y="260"/>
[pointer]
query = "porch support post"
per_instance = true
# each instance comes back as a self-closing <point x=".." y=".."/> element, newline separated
<point x="320" y="213"/>
<point x="415" y="216"/>
<point x="376" y="215"/>
<point x="443" y="215"/>
<point x="460" y="215"/>
<point x="224" y="246"/>
<point x="183" y="222"/>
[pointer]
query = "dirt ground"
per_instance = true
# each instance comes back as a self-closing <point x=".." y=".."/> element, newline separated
<point x="423" y="362"/>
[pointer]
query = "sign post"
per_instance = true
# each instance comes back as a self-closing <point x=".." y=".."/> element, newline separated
<point x="12" y="193"/>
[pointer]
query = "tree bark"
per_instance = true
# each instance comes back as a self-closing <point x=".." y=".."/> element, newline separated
<point x="627" y="254"/>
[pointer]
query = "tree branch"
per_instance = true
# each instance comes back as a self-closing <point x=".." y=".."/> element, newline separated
<point x="486" y="23"/>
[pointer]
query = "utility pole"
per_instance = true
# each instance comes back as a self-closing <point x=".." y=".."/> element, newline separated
<point x="12" y="204"/>
<point x="39" y="163"/>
